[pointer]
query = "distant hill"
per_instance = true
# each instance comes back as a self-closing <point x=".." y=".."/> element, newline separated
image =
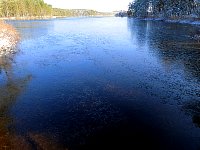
<point x="73" y="12"/>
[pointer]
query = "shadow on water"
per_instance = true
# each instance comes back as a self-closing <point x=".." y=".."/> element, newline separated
<point x="193" y="108"/>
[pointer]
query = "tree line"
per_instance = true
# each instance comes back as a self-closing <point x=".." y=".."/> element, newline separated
<point x="165" y="8"/>
<point x="22" y="8"/>
<point x="73" y="12"/>
<point x="31" y="8"/>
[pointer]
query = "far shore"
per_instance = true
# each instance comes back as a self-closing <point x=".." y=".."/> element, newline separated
<point x="48" y="17"/>
<point x="27" y="18"/>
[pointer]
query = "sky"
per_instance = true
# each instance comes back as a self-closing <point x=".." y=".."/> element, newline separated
<point x="99" y="5"/>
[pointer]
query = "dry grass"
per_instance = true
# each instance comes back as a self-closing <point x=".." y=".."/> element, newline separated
<point x="9" y="30"/>
<point x="8" y="38"/>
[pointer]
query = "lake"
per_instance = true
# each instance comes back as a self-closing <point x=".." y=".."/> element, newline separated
<point x="101" y="83"/>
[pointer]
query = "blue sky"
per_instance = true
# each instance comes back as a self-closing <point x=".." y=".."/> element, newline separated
<point x="99" y="5"/>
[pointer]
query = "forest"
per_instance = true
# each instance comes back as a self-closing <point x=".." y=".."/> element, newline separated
<point x="31" y="8"/>
<point x="172" y="9"/>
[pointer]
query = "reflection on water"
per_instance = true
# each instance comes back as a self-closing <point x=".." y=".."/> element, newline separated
<point x="177" y="51"/>
<point x="31" y="26"/>
<point x="177" y="47"/>
<point x="172" y="43"/>
<point x="9" y="91"/>
<point x="101" y="82"/>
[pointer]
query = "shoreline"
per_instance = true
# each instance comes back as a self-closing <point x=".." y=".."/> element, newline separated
<point x="48" y="17"/>
<point x="9" y="38"/>
<point x="190" y="21"/>
<point x="25" y="18"/>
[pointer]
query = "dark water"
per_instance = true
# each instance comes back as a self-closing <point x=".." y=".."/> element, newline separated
<point x="102" y="83"/>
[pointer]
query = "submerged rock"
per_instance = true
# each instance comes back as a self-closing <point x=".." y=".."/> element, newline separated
<point x="8" y="39"/>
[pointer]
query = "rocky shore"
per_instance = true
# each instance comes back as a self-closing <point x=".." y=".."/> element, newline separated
<point x="8" y="39"/>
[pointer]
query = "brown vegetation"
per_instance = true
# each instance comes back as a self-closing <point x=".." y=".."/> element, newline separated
<point x="8" y="39"/>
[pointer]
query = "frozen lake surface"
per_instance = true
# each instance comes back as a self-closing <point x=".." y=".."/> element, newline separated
<point x="100" y="83"/>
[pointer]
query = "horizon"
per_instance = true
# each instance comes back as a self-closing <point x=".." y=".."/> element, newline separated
<point x="111" y="5"/>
